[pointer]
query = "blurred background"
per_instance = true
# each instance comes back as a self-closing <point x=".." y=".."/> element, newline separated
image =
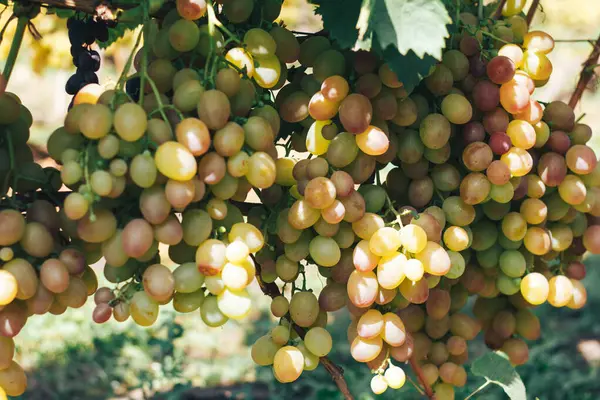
<point x="69" y="357"/>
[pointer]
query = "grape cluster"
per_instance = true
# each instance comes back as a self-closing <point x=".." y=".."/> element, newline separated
<point x="408" y="203"/>
<point x="164" y="171"/>
<point x="42" y="271"/>
<point x="491" y="193"/>
<point x="83" y="33"/>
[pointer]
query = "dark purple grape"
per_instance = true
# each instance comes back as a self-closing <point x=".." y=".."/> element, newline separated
<point x="473" y="132"/>
<point x="477" y="66"/>
<point x="74" y="83"/>
<point x="486" y="95"/>
<point x="89" y="60"/>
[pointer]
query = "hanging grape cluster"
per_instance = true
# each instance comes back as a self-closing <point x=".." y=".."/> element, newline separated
<point x="406" y="203"/>
<point x="83" y="33"/>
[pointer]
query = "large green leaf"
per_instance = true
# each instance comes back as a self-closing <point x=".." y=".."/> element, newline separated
<point x="409" y="68"/>
<point x="417" y="25"/>
<point x="339" y="19"/>
<point x="496" y="368"/>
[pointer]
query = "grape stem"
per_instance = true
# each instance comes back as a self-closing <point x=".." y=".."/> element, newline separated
<point x="336" y="372"/>
<point x="586" y="74"/>
<point x="498" y="13"/>
<point x="15" y="46"/>
<point x="144" y="66"/>
<point x="420" y="377"/>
<point x="531" y="11"/>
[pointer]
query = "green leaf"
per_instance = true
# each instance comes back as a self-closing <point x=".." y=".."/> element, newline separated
<point x="417" y="25"/>
<point x="409" y="68"/>
<point x="339" y="19"/>
<point x="118" y="32"/>
<point x="496" y="368"/>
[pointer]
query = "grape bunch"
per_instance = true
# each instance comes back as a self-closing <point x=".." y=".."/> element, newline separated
<point x="490" y="193"/>
<point x="168" y="170"/>
<point x="83" y="33"/>
<point x="42" y="270"/>
<point x="407" y="202"/>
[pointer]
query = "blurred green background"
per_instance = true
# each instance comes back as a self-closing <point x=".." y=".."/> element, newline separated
<point x="69" y="357"/>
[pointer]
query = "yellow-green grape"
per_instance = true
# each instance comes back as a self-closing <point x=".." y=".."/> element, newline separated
<point x="211" y="314"/>
<point x="324" y="251"/>
<point x="143" y="170"/>
<point x="263" y="351"/>
<point x="304" y="308"/>
<point x="394" y="331"/>
<point x="210" y="255"/>
<point x="561" y="291"/>
<point x="234" y="276"/>
<point x="241" y="59"/>
<point x="13" y="380"/>
<point x="248" y="234"/>
<point x="280" y="335"/>
<point x="315" y="142"/>
<point x="413" y="269"/>
<point x="535" y="288"/>
<point x="144" y="310"/>
<point x="71" y="173"/>
<point x="288" y="364"/>
<point x="237" y="251"/>
<point x="235" y="304"/>
<point x="514" y="226"/>
<point x="513" y="7"/>
<point x="9" y="287"/>
<point x="261" y="170"/>
<point x="101" y="182"/>
<point x="267" y="71"/>
<point x="395" y="377"/>
<point x="6" y="254"/>
<point x="214" y="284"/>
<point x="280" y="306"/>
<point x="385" y="241"/>
<point x="97" y="122"/>
<point x="175" y="161"/>
<point x="390" y="270"/>
<point x="370" y="324"/>
<point x="318" y="341"/>
<point x="188" y="302"/>
<point x="365" y="350"/>
<point x="311" y="361"/>
<point x="572" y="190"/>
<point x="435" y="259"/>
<point x="518" y="160"/>
<point x="413" y="238"/>
<point x="537" y="65"/>
<point x="378" y="384"/>
<point x="456" y="238"/>
<point x="187" y="278"/>
<point x="99" y="229"/>
<point x="130" y="122"/>
<point x="537" y="241"/>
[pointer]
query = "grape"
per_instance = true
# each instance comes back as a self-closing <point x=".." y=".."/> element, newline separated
<point x="234" y="304"/>
<point x="304" y="308"/>
<point x="261" y="170"/>
<point x="457" y="109"/>
<point x="214" y="109"/>
<point x="572" y="190"/>
<point x="406" y="112"/>
<point x="581" y="159"/>
<point x="324" y="251"/>
<point x="369" y="85"/>
<point x="458" y="64"/>
<point x="373" y="141"/>
<point x="365" y="350"/>
<point x="434" y="131"/>
<point x="390" y="270"/>
<point x="500" y="69"/>
<point x="439" y="82"/>
<point x="318" y="341"/>
<point x="514" y="97"/>
<point x="97" y="122"/>
<point x="12" y="227"/>
<point x="414" y="291"/>
<point x="521" y="134"/>
<point x="333" y="297"/>
<point x="519" y="161"/>
<point x="362" y="288"/>
<point x="534" y="211"/>
<point x="486" y="96"/>
<point x="287" y="46"/>
<point x="477" y="156"/>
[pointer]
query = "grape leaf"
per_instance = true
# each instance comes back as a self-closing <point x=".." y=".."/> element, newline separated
<point x="410" y="68"/>
<point x="417" y="25"/>
<point x="339" y="19"/>
<point x="496" y="368"/>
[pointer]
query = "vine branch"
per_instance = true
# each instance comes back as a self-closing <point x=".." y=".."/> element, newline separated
<point x="498" y="13"/>
<point x="587" y="72"/>
<point x="336" y="372"/>
<point x="532" y="10"/>
<point x="420" y="377"/>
